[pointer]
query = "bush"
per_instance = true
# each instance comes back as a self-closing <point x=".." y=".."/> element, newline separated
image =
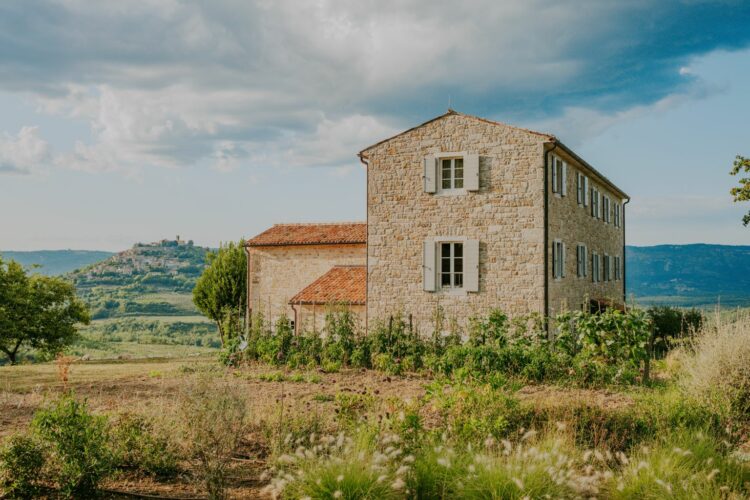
<point x="139" y="446"/>
<point x="80" y="445"/>
<point x="21" y="463"/>
<point x="716" y="371"/>
<point x="213" y="418"/>
<point x="671" y="325"/>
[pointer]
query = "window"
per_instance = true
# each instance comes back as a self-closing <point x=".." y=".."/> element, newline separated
<point x="595" y="203"/>
<point x="581" y="261"/>
<point x="559" y="176"/>
<point x="618" y="268"/>
<point x="451" y="265"/>
<point x="452" y="173"/>
<point x="558" y="259"/>
<point x="595" y="267"/>
<point x="607" y="268"/>
<point x="617" y="207"/>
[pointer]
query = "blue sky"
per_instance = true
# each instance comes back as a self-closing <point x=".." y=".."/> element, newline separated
<point x="125" y="122"/>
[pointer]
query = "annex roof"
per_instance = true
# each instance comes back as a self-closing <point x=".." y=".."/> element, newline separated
<point x="311" y="234"/>
<point x="340" y="285"/>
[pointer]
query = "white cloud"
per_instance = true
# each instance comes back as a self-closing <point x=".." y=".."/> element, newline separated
<point x="24" y="152"/>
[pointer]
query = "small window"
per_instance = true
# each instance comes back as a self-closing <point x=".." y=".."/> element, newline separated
<point x="617" y="214"/>
<point x="559" y="176"/>
<point x="451" y="265"/>
<point x="452" y="173"/>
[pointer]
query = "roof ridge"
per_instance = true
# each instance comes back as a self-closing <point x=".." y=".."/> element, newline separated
<point x="318" y="223"/>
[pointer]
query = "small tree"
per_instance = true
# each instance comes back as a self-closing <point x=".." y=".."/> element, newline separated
<point x="742" y="192"/>
<point x="221" y="291"/>
<point x="37" y="311"/>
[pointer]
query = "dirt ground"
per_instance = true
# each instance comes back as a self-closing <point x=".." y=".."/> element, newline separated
<point x="151" y="387"/>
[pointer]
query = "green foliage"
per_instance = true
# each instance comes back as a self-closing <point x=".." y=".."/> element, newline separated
<point x="741" y="192"/>
<point x="672" y="325"/>
<point x="36" y="311"/>
<point x="139" y="446"/>
<point x="80" y="445"/>
<point x="221" y="291"/>
<point x="21" y="462"/>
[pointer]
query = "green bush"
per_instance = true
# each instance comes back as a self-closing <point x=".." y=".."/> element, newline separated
<point x="139" y="446"/>
<point x="672" y="325"/>
<point x="21" y="462"/>
<point x="80" y="445"/>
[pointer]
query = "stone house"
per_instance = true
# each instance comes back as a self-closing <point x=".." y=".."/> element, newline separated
<point x="465" y="215"/>
<point x="303" y="270"/>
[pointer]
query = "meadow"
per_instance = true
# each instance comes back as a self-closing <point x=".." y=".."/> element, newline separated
<point x="261" y="425"/>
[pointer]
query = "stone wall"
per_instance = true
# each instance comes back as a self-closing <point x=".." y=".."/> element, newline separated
<point x="313" y="318"/>
<point x="277" y="273"/>
<point x="574" y="224"/>
<point x="506" y="215"/>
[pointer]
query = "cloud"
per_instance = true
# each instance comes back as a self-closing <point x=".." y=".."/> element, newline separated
<point x="24" y="152"/>
<point x="170" y="83"/>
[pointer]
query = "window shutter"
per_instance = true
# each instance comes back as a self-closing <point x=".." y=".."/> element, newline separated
<point x="471" y="172"/>
<point x="430" y="174"/>
<point x="585" y="261"/>
<point x="601" y="209"/>
<point x="471" y="265"/>
<point x="579" y="188"/>
<point x="428" y="266"/>
<point x="585" y="191"/>
<point x="553" y="163"/>
<point x="562" y="260"/>
<point x="554" y="259"/>
<point x="565" y="179"/>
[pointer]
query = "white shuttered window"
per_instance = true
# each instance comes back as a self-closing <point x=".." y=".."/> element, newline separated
<point x="450" y="265"/>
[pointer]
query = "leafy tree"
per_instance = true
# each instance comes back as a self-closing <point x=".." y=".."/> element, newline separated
<point x="742" y="192"/>
<point x="36" y="311"/>
<point x="221" y="291"/>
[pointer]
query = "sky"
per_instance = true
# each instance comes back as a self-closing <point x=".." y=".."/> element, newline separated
<point x="135" y="121"/>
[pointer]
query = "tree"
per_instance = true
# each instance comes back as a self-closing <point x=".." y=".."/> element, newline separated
<point x="221" y="291"/>
<point x="37" y="311"/>
<point x="742" y="192"/>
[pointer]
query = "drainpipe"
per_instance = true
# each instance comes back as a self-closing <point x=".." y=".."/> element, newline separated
<point x="367" y="236"/>
<point x="624" y="282"/>
<point x="546" y="238"/>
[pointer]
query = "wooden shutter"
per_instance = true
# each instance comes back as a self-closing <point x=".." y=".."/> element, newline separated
<point x="428" y="266"/>
<point x="471" y="265"/>
<point x="585" y="261"/>
<point x="562" y="260"/>
<point x="579" y="188"/>
<point x="471" y="172"/>
<point x="430" y="174"/>
<point x="564" y="179"/>
<point x="585" y="191"/>
<point x="554" y="259"/>
<point x="554" y="173"/>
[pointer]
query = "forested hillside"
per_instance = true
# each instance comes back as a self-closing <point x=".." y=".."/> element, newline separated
<point x="689" y="275"/>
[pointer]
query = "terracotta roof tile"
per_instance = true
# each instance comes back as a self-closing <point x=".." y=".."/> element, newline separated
<point x="311" y="234"/>
<point x="340" y="285"/>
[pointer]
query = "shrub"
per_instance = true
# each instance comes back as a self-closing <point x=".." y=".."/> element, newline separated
<point x="139" y="446"/>
<point x="21" y="463"/>
<point x="716" y="370"/>
<point x="80" y="444"/>
<point x="671" y="325"/>
<point x="214" y="421"/>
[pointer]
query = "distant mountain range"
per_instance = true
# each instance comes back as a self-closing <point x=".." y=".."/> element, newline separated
<point x="686" y="275"/>
<point x="689" y="275"/>
<point x="54" y="262"/>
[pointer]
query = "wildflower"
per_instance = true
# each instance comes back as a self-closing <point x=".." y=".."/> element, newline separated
<point x="337" y="494"/>
<point x="398" y="484"/>
<point x="340" y="478"/>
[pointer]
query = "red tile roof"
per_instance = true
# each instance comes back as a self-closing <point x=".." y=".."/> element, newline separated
<point x="340" y="285"/>
<point x="311" y="234"/>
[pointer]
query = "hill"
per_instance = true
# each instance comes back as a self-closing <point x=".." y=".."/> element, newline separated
<point x="689" y="275"/>
<point x="144" y="295"/>
<point x="54" y="262"/>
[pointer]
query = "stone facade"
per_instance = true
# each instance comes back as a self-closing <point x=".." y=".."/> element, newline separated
<point x="506" y="215"/>
<point x="312" y="318"/>
<point x="277" y="273"/>
<point x="573" y="224"/>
